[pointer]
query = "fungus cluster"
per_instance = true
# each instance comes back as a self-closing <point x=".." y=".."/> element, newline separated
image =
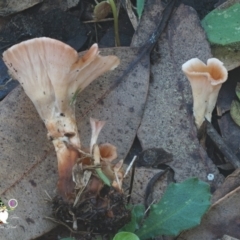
<point x="52" y="74"/>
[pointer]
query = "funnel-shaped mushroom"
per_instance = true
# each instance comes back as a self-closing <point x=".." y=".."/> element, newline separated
<point x="206" y="81"/>
<point x="52" y="74"/>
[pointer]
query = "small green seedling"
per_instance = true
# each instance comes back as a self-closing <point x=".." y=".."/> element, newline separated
<point x="102" y="9"/>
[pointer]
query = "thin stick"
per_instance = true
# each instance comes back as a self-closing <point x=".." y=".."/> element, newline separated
<point x="48" y="195"/>
<point x="154" y="200"/>
<point x="102" y="20"/>
<point x="4" y="85"/>
<point x="132" y="179"/>
<point x="221" y="145"/>
<point x="65" y="225"/>
<point x="129" y="166"/>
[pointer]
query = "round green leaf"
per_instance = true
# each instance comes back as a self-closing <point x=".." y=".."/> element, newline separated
<point x="222" y="26"/>
<point x="125" y="236"/>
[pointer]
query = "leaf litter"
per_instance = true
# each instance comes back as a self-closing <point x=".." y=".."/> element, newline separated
<point x="31" y="176"/>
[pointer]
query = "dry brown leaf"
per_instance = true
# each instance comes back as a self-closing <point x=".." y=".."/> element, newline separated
<point x="226" y="237"/>
<point x="230" y="131"/>
<point x="231" y="182"/>
<point x="28" y="161"/>
<point x="168" y="121"/>
<point x="222" y="218"/>
<point x="13" y="6"/>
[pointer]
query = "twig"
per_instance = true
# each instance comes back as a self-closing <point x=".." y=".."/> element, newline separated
<point x="154" y="200"/>
<point x="65" y="225"/>
<point x="221" y="145"/>
<point x="129" y="166"/>
<point x="132" y="178"/>
<point x="4" y="85"/>
<point x="101" y="20"/>
<point x="48" y="195"/>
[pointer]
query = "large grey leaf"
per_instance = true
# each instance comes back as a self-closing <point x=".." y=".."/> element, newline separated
<point x="28" y="161"/>
<point x="168" y="120"/>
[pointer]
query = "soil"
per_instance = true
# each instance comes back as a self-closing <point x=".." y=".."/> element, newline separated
<point x="69" y="27"/>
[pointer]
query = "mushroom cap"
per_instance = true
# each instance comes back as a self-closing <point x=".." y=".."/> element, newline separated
<point x="52" y="73"/>
<point x="214" y="71"/>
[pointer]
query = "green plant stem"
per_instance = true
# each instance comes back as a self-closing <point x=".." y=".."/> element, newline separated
<point x="115" y="16"/>
<point x="103" y="177"/>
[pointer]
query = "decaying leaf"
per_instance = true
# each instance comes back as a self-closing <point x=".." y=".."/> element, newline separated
<point x="29" y="157"/>
<point x="102" y="10"/>
<point x="235" y="112"/>
<point x="227" y="237"/>
<point x="230" y="131"/>
<point x="235" y="107"/>
<point x="222" y="218"/>
<point x="231" y="182"/>
<point x="170" y="96"/>
<point x="13" y="6"/>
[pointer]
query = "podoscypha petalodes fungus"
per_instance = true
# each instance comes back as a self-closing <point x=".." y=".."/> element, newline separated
<point x="52" y="74"/>
<point x="206" y="81"/>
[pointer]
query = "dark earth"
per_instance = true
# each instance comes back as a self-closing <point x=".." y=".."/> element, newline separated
<point x="68" y="26"/>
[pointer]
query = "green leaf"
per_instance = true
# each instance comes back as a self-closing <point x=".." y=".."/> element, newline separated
<point x="125" y="236"/>
<point x="103" y="177"/>
<point x="74" y="97"/>
<point x="222" y="26"/>
<point x="238" y="90"/>
<point x="235" y="112"/>
<point x="137" y="215"/>
<point x="181" y="208"/>
<point x="140" y="7"/>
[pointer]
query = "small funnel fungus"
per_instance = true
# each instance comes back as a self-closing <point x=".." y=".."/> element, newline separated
<point x="99" y="205"/>
<point x="52" y="74"/>
<point x="206" y="81"/>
